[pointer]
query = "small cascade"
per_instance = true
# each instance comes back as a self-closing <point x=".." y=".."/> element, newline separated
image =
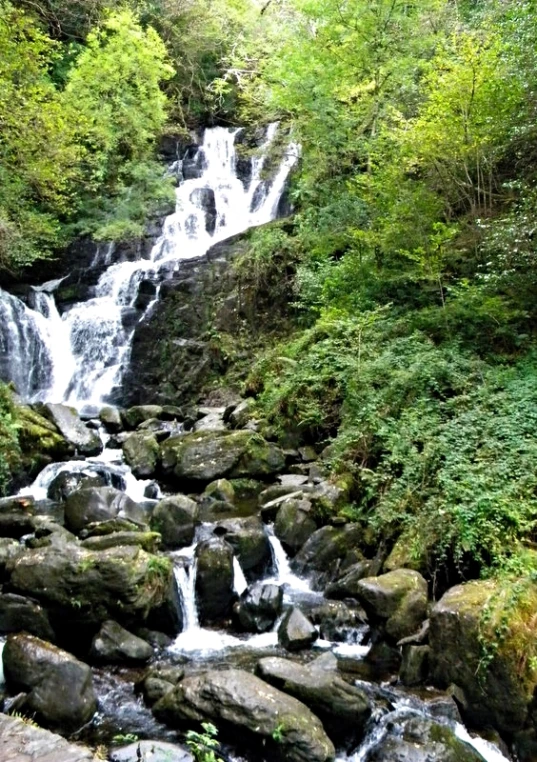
<point x="280" y="560"/>
<point x="80" y="357"/>
<point x="185" y="575"/>
<point x="239" y="580"/>
<point x="2" y="677"/>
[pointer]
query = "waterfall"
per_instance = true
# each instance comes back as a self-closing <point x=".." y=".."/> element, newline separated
<point x="80" y="357"/>
<point x="280" y="561"/>
<point x="239" y="580"/>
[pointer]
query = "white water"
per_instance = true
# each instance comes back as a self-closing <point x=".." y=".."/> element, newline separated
<point x="284" y="575"/>
<point x="80" y="357"/>
<point x="239" y="580"/>
<point x="2" y="678"/>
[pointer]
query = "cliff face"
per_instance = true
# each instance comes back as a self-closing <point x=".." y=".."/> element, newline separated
<point x="205" y="329"/>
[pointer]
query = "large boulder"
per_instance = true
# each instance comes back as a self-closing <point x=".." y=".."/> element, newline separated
<point x="294" y="524"/>
<point x="141" y="452"/>
<point x="86" y="506"/>
<point x="85" y="441"/>
<point x="175" y="518"/>
<point x="340" y="706"/>
<point x="422" y="740"/>
<point x="40" y="440"/>
<point x="259" y="607"/>
<point x="483" y="638"/>
<point x="59" y="688"/>
<point x="397" y="601"/>
<point x="208" y="455"/>
<point x="80" y="589"/>
<point x="214" y="579"/>
<point x="249" y="541"/>
<point x="113" y="644"/>
<point x="250" y="704"/>
<point x="136" y="415"/>
<point x="39" y="745"/>
<point x="346" y="586"/>
<point x="328" y="552"/>
<point x="296" y="631"/>
<point x="18" y="614"/>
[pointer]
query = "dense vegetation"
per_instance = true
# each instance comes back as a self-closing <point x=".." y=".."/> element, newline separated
<point x="412" y="245"/>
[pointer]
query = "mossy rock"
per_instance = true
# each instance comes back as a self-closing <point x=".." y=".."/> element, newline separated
<point x="141" y="451"/>
<point x="39" y="439"/>
<point x="483" y="638"/>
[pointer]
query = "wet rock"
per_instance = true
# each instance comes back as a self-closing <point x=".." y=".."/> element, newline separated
<point x="80" y="589"/>
<point x="159" y="681"/>
<point x="421" y="740"/>
<point x="248" y="539"/>
<point x="323" y="556"/>
<point x="159" y="641"/>
<point x="175" y="518"/>
<point x="259" y="607"/>
<point x="40" y="440"/>
<point x="294" y="524"/>
<point x="18" y="614"/>
<point x="151" y="751"/>
<point x="415" y="665"/>
<point x="241" y="414"/>
<point x="85" y="441"/>
<point x="86" y="506"/>
<point x="9" y="549"/>
<point x="339" y="622"/>
<point x="136" y="415"/>
<point x="110" y="526"/>
<point x="67" y="482"/>
<point x="141" y="452"/>
<point x="342" y="708"/>
<point x="113" y="644"/>
<point x="22" y="742"/>
<point x="296" y="631"/>
<point x="110" y="417"/>
<point x="148" y="541"/>
<point x="212" y="421"/>
<point x="383" y="658"/>
<point x="214" y="579"/>
<point x="152" y="491"/>
<point x="59" y="687"/>
<point x="206" y="455"/>
<point x="248" y="703"/>
<point x="396" y="600"/>
<point x="462" y="624"/>
<point x="346" y="586"/>
<point x="221" y="489"/>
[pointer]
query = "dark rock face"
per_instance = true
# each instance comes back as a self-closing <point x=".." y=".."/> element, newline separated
<point x="204" y="198"/>
<point x="341" y="707"/>
<point x="113" y="644"/>
<point x="87" y="506"/>
<point x="296" y="631"/>
<point x="175" y="518"/>
<point x="59" y="687"/>
<point x="22" y="742"/>
<point x="18" y="614"/>
<point x="259" y="607"/>
<point x="323" y="557"/>
<point x="396" y="600"/>
<point x="214" y="579"/>
<point x="294" y="524"/>
<point x="250" y="704"/>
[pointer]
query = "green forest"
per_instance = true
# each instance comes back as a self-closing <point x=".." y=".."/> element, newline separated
<point x="408" y="347"/>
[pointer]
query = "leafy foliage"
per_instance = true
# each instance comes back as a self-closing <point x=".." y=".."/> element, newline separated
<point x="10" y="453"/>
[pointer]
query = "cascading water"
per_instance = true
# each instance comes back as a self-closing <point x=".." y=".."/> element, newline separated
<point x="79" y="358"/>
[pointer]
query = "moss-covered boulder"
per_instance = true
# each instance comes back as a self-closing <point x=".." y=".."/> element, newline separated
<point x="220" y="489"/>
<point x="136" y="415"/>
<point x="141" y="452"/>
<point x="328" y="552"/>
<point x="85" y="441"/>
<point x="40" y="440"/>
<point x="113" y="644"/>
<point x="249" y="541"/>
<point x="175" y="518"/>
<point x="294" y="524"/>
<point x="80" y="588"/>
<point x="248" y="704"/>
<point x="483" y="638"/>
<point x="397" y="601"/>
<point x="214" y="579"/>
<point x="94" y="504"/>
<point x="208" y="455"/>
<point x="59" y="688"/>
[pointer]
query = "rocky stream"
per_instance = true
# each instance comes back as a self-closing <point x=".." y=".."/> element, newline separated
<point x="166" y="565"/>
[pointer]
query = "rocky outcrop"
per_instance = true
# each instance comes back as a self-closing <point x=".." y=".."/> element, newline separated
<point x="113" y="644"/>
<point x="58" y="687"/>
<point x="397" y="601"/>
<point x="175" y="518"/>
<point x="84" y="441"/>
<point x="80" y="589"/>
<point x="343" y="708"/>
<point x="204" y="456"/>
<point x="94" y="504"/>
<point x="250" y="704"/>
<point x="23" y="742"/>
<point x="483" y="638"/>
